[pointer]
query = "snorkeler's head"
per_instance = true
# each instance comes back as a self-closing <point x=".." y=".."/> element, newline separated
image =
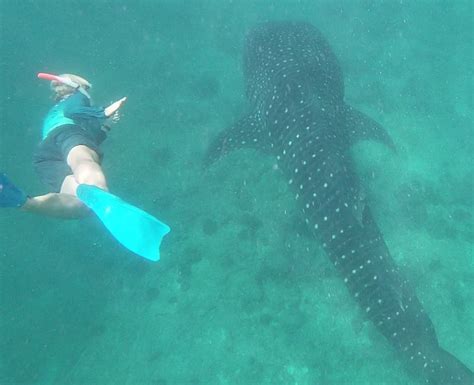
<point x="73" y="82"/>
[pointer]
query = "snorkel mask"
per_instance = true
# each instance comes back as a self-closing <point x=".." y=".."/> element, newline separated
<point x="67" y="81"/>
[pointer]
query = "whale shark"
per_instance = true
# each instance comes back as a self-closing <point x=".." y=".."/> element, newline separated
<point x="296" y="113"/>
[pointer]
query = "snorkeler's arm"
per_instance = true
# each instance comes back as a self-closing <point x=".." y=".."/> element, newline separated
<point x="77" y="106"/>
<point x="114" y="107"/>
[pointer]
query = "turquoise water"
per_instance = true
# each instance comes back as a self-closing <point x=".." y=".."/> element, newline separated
<point x="237" y="298"/>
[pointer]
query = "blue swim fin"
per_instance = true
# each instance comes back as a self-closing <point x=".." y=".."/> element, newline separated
<point x="137" y="230"/>
<point x="10" y="195"/>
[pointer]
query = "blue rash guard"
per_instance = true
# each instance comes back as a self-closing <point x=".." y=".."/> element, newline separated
<point x="75" y="109"/>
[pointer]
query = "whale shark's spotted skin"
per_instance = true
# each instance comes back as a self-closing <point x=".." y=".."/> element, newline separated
<point x="295" y="88"/>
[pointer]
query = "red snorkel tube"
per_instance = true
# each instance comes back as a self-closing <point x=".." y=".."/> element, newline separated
<point x="65" y="81"/>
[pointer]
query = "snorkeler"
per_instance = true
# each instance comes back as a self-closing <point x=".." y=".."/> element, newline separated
<point x="69" y="152"/>
<point x="68" y="159"/>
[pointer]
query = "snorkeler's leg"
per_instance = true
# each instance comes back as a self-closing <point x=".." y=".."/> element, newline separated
<point x="85" y="164"/>
<point x="58" y="205"/>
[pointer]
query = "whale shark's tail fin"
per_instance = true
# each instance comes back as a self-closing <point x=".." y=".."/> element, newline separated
<point x="442" y="369"/>
<point x="455" y="370"/>
<point x="362" y="127"/>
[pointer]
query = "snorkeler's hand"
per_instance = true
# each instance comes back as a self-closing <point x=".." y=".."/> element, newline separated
<point x="115" y="117"/>
<point x="110" y="110"/>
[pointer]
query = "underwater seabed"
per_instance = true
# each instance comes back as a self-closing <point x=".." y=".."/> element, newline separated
<point x="242" y="294"/>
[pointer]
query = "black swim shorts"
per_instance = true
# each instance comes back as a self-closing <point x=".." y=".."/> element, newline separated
<point x="50" y="157"/>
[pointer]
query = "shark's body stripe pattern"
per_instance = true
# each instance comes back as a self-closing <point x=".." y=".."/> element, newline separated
<point x="295" y="88"/>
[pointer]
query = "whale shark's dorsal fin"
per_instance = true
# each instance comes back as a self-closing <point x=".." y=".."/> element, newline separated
<point x="245" y="133"/>
<point x="361" y="127"/>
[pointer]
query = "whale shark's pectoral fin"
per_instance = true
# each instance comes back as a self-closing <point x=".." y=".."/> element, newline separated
<point x="362" y="127"/>
<point x="246" y="132"/>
